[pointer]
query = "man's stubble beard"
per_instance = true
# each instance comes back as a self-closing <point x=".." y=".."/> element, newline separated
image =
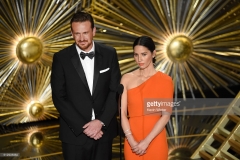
<point x="85" y="46"/>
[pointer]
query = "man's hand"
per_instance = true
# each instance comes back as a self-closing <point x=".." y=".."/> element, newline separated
<point x="98" y="136"/>
<point x="93" y="129"/>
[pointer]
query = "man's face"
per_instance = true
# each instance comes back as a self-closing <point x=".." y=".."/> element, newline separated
<point x="83" y="34"/>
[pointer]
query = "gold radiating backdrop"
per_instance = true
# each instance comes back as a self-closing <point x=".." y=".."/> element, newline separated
<point x="205" y="35"/>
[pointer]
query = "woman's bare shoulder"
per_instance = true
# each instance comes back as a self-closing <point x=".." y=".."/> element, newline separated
<point x="128" y="76"/>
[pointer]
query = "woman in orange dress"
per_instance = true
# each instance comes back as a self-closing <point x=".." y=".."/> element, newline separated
<point x="145" y="132"/>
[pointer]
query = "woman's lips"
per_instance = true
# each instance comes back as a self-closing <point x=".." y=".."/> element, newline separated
<point x="140" y="64"/>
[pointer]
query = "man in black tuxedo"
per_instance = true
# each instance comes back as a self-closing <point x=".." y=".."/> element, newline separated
<point x="84" y="80"/>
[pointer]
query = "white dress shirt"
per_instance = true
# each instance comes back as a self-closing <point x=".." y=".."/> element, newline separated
<point x="88" y="67"/>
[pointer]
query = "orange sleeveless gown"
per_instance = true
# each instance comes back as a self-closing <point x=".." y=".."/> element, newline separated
<point x="158" y="86"/>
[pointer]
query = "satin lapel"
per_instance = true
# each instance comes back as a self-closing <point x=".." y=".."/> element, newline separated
<point x="78" y="66"/>
<point x="97" y="64"/>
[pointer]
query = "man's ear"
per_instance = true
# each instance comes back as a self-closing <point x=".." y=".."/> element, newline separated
<point x="94" y="31"/>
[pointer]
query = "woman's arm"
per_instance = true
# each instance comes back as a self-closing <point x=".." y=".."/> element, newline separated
<point x="124" y="119"/>
<point x="158" y="127"/>
<point x="142" y="146"/>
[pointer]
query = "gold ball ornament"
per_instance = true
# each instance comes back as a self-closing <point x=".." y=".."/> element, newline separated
<point x="181" y="153"/>
<point x="36" y="110"/>
<point x="179" y="49"/>
<point x="29" y="50"/>
<point x="36" y="139"/>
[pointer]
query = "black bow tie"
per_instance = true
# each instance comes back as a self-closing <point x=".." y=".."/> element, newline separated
<point x="90" y="55"/>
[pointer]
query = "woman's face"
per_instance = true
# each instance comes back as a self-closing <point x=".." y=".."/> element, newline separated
<point x="143" y="56"/>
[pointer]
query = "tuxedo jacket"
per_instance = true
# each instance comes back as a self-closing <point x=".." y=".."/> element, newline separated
<point x="72" y="97"/>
